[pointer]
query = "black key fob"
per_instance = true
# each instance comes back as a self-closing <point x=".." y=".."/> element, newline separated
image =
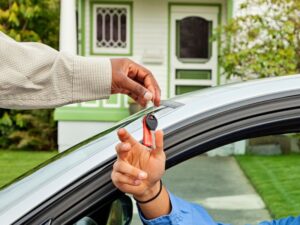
<point x="151" y="122"/>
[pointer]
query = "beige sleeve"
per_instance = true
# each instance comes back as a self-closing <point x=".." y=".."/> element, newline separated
<point x="33" y="75"/>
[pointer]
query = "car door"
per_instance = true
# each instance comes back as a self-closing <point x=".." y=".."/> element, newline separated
<point x="250" y="118"/>
<point x="260" y="116"/>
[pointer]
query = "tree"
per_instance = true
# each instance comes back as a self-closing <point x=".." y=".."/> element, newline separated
<point x="31" y="20"/>
<point x="38" y="21"/>
<point x="263" y="40"/>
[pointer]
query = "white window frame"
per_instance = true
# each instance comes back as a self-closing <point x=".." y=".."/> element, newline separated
<point x="115" y="51"/>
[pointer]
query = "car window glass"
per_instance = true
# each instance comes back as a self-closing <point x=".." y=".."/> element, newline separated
<point x="118" y="212"/>
<point x="41" y="176"/>
<point x="218" y="183"/>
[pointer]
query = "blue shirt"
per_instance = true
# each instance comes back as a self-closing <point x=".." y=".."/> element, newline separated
<point x="186" y="213"/>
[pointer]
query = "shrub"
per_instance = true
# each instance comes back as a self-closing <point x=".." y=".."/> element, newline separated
<point x="263" y="40"/>
<point x="38" y="21"/>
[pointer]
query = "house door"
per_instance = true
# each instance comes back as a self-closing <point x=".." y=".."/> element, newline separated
<point x="193" y="57"/>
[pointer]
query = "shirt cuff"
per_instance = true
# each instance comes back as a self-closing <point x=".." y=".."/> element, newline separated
<point x="92" y="78"/>
<point x="173" y="217"/>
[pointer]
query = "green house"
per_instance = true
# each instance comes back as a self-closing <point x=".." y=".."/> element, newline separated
<point x="171" y="38"/>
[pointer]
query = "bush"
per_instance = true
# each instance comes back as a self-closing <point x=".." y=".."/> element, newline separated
<point x="38" y="21"/>
<point x="262" y="41"/>
<point x="32" y="129"/>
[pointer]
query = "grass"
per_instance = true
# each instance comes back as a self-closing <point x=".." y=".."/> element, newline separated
<point x="277" y="180"/>
<point x="15" y="163"/>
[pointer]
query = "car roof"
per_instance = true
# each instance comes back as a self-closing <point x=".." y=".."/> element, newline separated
<point x="205" y="100"/>
<point x="25" y="194"/>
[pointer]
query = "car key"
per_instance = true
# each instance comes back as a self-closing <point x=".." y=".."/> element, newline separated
<point x="152" y="123"/>
<point x="149" y="126"/>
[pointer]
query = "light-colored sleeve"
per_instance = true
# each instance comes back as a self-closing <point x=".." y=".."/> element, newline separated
<point x="33" y="75"/>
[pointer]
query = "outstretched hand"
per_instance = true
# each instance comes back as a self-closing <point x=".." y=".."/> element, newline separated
<point x="135" y="81"/>
<point x="138" y="169"/>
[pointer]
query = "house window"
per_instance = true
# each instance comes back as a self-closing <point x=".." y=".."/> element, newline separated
<point x="192" y="41"/>
<point x="112" y="29"/>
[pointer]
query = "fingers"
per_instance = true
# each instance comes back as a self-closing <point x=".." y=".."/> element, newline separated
<point x="143" y="95"/>
<point x="123" y="172"/>
<point x="122" y="149"/>
<point x="121" y="179"/>
<point x="151" y="84"/>
<point x="125" y="175"/>
<point x="133" y="96"/>
<point x="159" y="141"/>
<point x="124" y="136"/>
<point x="157" y="98"/>
<point x="129" y="77"/>
<point x="129" y="170"/>
<point x="145" y="77"/>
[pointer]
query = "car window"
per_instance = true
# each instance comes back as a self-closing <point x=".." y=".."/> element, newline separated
<point x="220" y="185"/>
<point x="62" y="163"/>
<point x="117" y="212"/>
<point x="215" y="180"/>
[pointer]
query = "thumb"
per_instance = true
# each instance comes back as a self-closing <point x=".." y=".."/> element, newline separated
<point x="159" y="141"/>
<point x="141" y="92"/>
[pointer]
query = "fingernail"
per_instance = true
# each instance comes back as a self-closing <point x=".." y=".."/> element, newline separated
<point x="142" y="175"/>
<point x="137" y="182"/>
<point x="148" y="96"/>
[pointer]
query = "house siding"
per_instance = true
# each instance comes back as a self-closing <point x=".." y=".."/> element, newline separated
<point x="150" y="38"/>
<point x="150" y="34"/>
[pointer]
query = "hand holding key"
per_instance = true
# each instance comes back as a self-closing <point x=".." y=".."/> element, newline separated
<point x="137" y="170"/>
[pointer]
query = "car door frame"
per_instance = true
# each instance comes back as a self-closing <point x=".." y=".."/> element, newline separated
<point x="264" y="115"/>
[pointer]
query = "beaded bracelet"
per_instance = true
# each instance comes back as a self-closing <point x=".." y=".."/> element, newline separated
<point x="151" y="199"/>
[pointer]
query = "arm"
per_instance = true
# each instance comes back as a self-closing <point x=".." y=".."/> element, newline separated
<point x="138" y="171"/>
<point x="33" y="75"/>
<point x="182" y="213"/>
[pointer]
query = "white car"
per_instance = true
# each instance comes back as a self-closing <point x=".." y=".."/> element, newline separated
<point x="75" y="186"/>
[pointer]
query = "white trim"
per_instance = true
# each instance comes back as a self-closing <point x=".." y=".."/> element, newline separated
<point x="112" y="105"/>
<point x="195" y="9"/>
<point x="103" y="50"/>
<point x="193" y="66"/>
<point x="73" y="105"/>
<point x="68" y="32"/>
<point x="91" y="104"/>
<point x="205" y="15"/>
<point x="125" y="99"/>
<point x="209" y="13"/>
<point x="193" y="82"/>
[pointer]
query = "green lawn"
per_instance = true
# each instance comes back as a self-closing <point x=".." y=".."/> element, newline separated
<point x="277" y="180"/>
<point x="15" y="163"/>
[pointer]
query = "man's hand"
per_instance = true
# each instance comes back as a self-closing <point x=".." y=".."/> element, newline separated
<point x="134" y="80"/>
<point x="138" y="169"/>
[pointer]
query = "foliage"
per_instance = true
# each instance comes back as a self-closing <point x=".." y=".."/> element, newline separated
<point x="263" y="40"/>
<point x="38" y="21"/>
<point x="31" y="20"/>
<point x="34" y="129"/>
